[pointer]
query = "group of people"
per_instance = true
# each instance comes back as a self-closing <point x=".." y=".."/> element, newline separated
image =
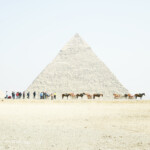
<point x="44" y="95"/>
<point x="24" y="95"/>
<point x="18" y="95"/>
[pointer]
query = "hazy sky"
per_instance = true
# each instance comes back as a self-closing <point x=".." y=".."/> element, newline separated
<point x="33" y="31"/>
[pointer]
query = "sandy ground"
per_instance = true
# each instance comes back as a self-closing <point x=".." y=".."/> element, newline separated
<point x="74" y="125"/>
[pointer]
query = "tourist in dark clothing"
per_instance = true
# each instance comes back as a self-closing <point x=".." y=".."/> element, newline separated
<point x="34" y="94"/>
<point x="28" y="95"/>
<point x="55" y="95"/>
<point x="20" y="94"/>
<point x="13" y="95"/>
<point x="44" y="95"/>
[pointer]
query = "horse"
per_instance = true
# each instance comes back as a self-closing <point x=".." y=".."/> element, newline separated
<point x="72" y="95"/>
<point x="65" y="95"/>
<point x="130" y="96"/>
<point x="139" y="95"/>
<point x="89" y="96"/>
<point x="97" y="95"/>
<point x="80" y="95"/>
<point x="116" y="96"/>
<point x="125" y="95"/>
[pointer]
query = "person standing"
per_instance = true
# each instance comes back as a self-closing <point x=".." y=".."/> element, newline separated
<point x="55" y="95"/>
<point x="41" y="95"/>
<point x="20" y="94"/>
<point x="51" y="96"/>
<point x="24" y="95"/>
<point x="13" y="95"/>
<point x="34" y="94"/>
<point x="17" y="95"/>
<point x="44" y="95"/>
<point x="28" y="95"/>
<point x="6" y="95"/>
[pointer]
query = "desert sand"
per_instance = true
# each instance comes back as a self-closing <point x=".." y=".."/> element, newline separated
<point x="74" y="125"/>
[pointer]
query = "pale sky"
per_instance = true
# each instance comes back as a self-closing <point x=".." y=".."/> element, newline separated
<point x="32" y="32"/>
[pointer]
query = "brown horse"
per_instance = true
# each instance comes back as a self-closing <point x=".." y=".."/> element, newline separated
<point x="72" y="95"/>
<point x="139" y="95"/>
<point x="80" y="95"/>
<point x="130" y="96"/>
<point x="89" y="96"/>
<point x="116" y="96"/>
<point x="97" y="95"/>
<point x="65" y="95"/>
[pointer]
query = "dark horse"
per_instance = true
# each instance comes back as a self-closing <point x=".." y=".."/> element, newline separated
<point x="80" y="95"/>
<point x="125" y="95"/>
<point x="97" y="95"/>
<point x="139" y="95"/>
<point x="65" y="95"/>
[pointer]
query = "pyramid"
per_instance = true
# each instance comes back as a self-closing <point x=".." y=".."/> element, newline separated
<point x="76" y="69"/>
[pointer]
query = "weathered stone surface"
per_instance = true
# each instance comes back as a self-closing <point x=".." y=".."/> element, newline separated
<point x="76" y="69"/>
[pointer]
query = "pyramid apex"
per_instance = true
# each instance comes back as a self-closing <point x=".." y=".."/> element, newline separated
<point x="75" y="41"/>
<point x="76" y="44"/>
<point x="76" y="35"/>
